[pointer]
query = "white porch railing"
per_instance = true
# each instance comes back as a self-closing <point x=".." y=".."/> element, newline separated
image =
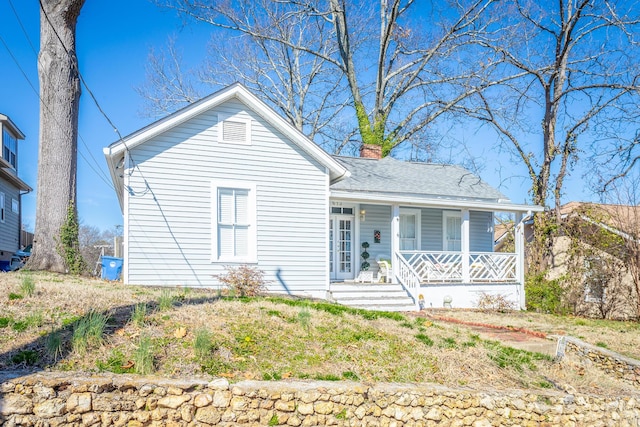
<point x="446" y="267"/>
<point x="407" y="277"/>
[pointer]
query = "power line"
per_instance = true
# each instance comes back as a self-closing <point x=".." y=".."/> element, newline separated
<point x="98" y="172"/>
<point x="95" y="100"/>
<point x="24" y="31"/>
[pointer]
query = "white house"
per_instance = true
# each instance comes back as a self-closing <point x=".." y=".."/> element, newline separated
<point x="227" y="181"/>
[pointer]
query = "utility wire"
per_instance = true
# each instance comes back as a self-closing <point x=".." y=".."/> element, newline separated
<point x="95" y="100"/>
<point x="98" y="172"/>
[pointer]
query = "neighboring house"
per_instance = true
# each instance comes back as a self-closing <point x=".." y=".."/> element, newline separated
<point x="597" y="258"/>
<point x="227" y="181"/>
<point x="11" y="190"/>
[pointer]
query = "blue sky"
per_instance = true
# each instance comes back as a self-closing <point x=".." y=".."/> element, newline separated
<point x="113" y="42"/>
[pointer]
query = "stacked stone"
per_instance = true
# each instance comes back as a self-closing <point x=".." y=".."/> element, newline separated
<point x="53" y="399"/>
<point x="611" y="363"/>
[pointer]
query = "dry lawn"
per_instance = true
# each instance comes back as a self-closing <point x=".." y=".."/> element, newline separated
<point x="198" y="333"/>
<point x="621" y="337"/>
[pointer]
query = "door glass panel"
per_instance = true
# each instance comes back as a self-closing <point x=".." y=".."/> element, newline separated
<point x="454" y="233"/>
<point x="408" y="240"/>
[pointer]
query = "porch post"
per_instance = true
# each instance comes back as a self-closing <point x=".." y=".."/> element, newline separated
<point x="395" y="241"/>
<point x="519" y="249"/>
<point x="466" y="277"/>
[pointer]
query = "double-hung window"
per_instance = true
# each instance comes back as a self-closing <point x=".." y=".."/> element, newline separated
<point x="234" y="222"/>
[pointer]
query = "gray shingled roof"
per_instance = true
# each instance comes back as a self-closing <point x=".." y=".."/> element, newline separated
<point x="389" y="175"/>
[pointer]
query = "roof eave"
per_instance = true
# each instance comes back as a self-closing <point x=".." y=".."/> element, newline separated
<point x="443" y="202"/>
<point x="15" y="180"/>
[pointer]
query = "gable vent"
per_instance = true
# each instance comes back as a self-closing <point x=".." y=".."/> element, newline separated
<point x="233" y="131"/>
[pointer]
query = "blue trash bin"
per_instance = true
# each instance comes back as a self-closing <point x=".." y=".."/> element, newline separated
<point x="111" y="267"/>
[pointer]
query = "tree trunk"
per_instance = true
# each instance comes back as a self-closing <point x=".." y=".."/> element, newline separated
<point x="57" y="161"/>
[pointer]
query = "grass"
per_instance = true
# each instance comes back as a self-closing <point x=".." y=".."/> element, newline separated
<point x="270" y="338"/>
<point x="28" y="285"/>
<point x="89" y="331"/>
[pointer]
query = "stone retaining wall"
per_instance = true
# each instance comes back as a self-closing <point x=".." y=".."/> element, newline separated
<point x="612" y="363"/>
<point x="53" y="399"/>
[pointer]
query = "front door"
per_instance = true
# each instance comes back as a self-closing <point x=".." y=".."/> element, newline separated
<point x="340" y="247"/>
<point x="409" y="229"/>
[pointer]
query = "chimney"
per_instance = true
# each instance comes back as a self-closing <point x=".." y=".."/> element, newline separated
<point x="371" y="151"/>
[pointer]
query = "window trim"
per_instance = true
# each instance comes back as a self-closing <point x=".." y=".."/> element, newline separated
<point x="15" y="206"/>
<point x="237" y="117"/>
<point x="252" y="256"/>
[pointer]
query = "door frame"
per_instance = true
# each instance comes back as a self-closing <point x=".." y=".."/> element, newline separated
<point x="334" y="259"/>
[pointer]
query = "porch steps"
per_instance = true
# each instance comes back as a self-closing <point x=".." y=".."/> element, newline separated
<point x="372" y="296"/>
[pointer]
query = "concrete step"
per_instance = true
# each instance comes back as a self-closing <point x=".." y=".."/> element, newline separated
<point x="381" y="297"/>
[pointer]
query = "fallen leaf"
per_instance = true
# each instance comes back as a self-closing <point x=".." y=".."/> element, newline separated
<point x="180" y="333"/>
<point x="130" y="364"/>
<point x="226" y="375"/>
<point x="249" y="375"/>
<point x="120" y="331"/>
<point x="287" y="375"/>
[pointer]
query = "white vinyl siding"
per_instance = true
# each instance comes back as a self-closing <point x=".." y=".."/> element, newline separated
<point x="234" y="238"/>
<point x="481" y="231"/>
<point x="170" y="233"/>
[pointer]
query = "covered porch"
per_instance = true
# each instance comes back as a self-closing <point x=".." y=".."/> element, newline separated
<point x="440" y="252"/>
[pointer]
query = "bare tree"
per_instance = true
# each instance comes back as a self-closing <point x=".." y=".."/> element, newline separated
<point x="573" y="87"/>
<point x="60" y="95"/>
<point x="401" y="63"/>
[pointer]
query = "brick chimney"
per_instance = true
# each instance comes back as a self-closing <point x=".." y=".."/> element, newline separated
<point x="371" y="151"/>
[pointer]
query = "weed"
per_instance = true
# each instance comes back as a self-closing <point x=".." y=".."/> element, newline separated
<point x="349" y="375"/>
<point x="273" y="376"/>
<point x="70" y="320"/>
<point x="581" y="322"/>
<point x="165" y="300"/>
<point x="425" y="340"/>
<point x="203" y="344"/>
<point x="89" y="331"/>
<point x="408" y="325"/>
<point x="327" y="377"/>
<point x="275" y="313"/>
<point x="274" y="420"/>
<point x="28" y="357"/>
<point x="116" y="363"/>
<point x="5" y="321"/>
<point x="28" y="286"/>
<point x="53" y="345"/>
<point x="304" y="317"/>
<point x="139" y="314"/>
<point x="545" y="384"/>
<point x="20" y="326"/>
<point x="13" y="296"/>
<point x="469" y="344"/>
<point x="143" y="356"/>
<point x="342" y="415"/>
<point x="448" y="342"/>
<point x="601" y="344"/>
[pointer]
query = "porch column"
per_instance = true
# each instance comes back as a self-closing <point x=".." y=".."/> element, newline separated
<point x="395" y="241"/>
<point x="519" y="249"/>
<point x="466" y="278"/>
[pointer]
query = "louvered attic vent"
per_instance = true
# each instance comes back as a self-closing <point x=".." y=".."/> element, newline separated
<point x="234" y="131"/>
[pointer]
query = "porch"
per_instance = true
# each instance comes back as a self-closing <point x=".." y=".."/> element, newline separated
<point x="435" y="253"/>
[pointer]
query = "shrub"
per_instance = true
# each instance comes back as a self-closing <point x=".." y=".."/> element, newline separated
<point x="495" y="302"/>
<point x="543" y="295"/>
<point x="243" y="281"/>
